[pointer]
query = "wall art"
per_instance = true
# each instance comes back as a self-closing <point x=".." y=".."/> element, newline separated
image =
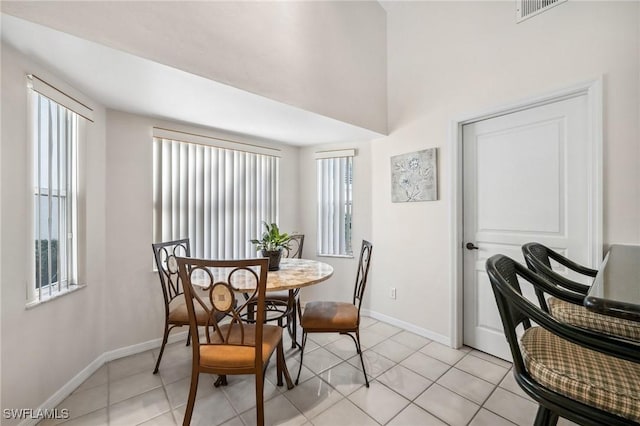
<point x="414" y="176"/>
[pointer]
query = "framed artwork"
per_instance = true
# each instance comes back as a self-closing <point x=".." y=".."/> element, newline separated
<point x="414" y="176"/>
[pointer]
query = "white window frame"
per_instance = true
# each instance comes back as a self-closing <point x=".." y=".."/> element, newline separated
<point x="220" y="217"/>
<point x="55" y="128"/>
<point x="334" y="180"/>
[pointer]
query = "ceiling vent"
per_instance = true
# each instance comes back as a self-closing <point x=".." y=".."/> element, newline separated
<point x="525" y="9"/>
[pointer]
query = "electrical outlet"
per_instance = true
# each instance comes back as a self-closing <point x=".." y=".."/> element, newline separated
<point x="393" y="293"/>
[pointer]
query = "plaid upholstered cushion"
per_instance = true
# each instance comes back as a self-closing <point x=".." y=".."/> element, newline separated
<point x="581" y="317"/>
<point x="590" y="377"/>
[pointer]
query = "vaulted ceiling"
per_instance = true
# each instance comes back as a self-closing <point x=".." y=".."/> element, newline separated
<point x="297" y="72"/>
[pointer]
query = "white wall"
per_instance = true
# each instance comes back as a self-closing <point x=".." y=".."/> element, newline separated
<point x="447" y="59"/>
<point x="327" y="57"/>
<point x="135" y="299"/>
<point x="444" y="60"/>
<point x="68" y="332"/>
<point x="341" y="285"/>
<point x="122" y="303"/>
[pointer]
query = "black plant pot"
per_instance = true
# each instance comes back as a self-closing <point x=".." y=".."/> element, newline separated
<point x="274" y="258"/>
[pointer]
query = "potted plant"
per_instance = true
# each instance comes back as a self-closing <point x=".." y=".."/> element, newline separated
<point x="271" y="244"/>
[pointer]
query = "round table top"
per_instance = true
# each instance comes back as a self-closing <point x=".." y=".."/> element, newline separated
<point x="296" y="273"/>
<point x="293" y="273"/>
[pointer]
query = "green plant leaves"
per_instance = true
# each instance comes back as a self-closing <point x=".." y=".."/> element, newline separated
<point x="272" y="239"/>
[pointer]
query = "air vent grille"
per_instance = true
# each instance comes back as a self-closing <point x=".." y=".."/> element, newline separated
<point x="525" y="9"/>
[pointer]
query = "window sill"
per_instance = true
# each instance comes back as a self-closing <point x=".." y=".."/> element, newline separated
<point x="46" y="299"/>
<point x="341" y="256"/>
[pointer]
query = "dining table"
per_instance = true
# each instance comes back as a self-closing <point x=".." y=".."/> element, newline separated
<point x="616" y="288"/>
<point x="292" y="275"/>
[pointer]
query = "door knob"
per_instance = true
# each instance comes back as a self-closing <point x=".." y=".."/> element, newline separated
<point x="471" y="246"/>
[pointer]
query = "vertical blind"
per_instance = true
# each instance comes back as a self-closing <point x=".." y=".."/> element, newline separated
<point x="216" y="197"/>
<point x="55" y="135"/>
<point x="335" y="181"/>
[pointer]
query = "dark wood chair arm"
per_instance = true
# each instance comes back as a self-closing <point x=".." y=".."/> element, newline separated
<point x="571" y="264"/>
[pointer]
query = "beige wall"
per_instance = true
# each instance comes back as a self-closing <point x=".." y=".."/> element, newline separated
<point x="68" y="332"/>
<point x="122" y="303"/>
<point x="135" y="301"/>
<point x="444" y="60"/>
<point x="327" y="57"/>
<point x="341" y="285"/>
<point x="447" y="59"/>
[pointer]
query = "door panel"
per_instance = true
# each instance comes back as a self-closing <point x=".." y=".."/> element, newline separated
<point x="525" y="150"/>
<point x="524" y="179"/>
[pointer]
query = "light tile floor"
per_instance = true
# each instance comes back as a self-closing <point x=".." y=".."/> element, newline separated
<point x="414" y="381"/>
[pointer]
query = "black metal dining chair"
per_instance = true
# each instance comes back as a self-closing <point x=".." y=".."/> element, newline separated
<point x="587" y="377"/>
<point x="567" y="301"/>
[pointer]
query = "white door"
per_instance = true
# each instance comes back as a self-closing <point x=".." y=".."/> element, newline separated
<point x="525" y="179"/>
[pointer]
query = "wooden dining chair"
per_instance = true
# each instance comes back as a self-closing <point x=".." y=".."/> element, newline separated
<point x="587" y="377"/>
<point x="567" y="297"/>
<point x="175" y="308"/>
<point x="230" y="346"/>
<point x="339" y="317"/>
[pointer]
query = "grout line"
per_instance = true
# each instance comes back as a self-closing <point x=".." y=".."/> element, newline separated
<point x="491" y="411"/>
<point x="294" y="356"/>
<point x="488" y="360"/>
<point x="166" y="395"/>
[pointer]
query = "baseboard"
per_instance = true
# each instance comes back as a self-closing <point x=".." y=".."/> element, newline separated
<point x="144" y="346"/>
<point x="66" y="390"/>
<point x="436" y="337"/>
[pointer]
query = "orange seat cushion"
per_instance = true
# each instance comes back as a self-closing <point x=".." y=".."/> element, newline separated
<point x="328" y="316"/>
<point x="239" y="354"/>
<point x="178" y="313"/>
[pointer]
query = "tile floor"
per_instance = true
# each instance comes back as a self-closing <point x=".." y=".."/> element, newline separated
<point x="414" y="381"/>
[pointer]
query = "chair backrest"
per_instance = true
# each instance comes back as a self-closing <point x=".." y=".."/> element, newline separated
<point x="221" y="280"/>
<point x="165" y="255"/>
<point x="295" y="247"/>
<point x="515" y="309"/>
<point x="538" y="258"/>
<point x="363" y="273"/>
<point x="535" y="254"/>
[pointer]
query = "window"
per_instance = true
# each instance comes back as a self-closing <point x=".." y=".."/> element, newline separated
<point x="217" y="197"/>
<point x="335" y="195"/>
<point x="57" y="124"/>
<point x="55" y="157"/>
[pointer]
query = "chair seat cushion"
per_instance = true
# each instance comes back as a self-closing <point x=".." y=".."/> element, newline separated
<point x="178" y="313"/>
<point x="329" y="316"/>
<point x="237" y="354"/>
<point x="587" y="376"/>
<point x="580" y="316"/>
